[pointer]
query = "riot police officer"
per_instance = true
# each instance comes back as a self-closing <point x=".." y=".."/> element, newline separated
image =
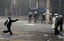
<point x="43" y="18"/>
<point x="61" y="22"/>
<point x="56" y="31"/>
<point x="30" y="16"/>
<point x="35" y="16"/>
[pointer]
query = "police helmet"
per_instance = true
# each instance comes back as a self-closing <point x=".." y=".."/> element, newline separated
<point x="60" y="15"/>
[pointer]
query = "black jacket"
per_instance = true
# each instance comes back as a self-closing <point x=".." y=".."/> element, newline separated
<point x="35" y="15"/>
<point x="61" y="20"/>
<point x="30" y="15"/>
<point x="8" y="24"/>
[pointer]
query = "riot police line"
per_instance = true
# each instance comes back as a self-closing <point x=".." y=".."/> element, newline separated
<point x="56" y="21"/>
<point x="37" y="17"/>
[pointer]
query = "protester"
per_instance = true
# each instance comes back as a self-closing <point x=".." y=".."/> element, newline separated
<point x="8" y="24"/>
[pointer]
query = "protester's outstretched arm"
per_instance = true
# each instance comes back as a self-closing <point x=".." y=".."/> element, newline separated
<point x="14" y="20"/>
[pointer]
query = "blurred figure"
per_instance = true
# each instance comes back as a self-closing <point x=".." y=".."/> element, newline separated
<point x="50" y="18"/>
<point x="30" y="16"/>
<point x="61" y="22"/>
<point x="56" y="31"/>
<point x="8" y="24"/>
<point x="43" y="18"/>
<point x="35" y="17"/>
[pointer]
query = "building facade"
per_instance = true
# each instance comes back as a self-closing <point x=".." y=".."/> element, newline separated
<point x="57" y="6"/>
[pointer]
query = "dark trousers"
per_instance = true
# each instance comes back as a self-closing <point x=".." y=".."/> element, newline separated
<point x="9" y="30"/>
<point x="35" y="19"/>
<point x="56" y="31"/>
<point x="43" y="21"/>
<point x="61" y="28"/>
<point x="29" y="20"/>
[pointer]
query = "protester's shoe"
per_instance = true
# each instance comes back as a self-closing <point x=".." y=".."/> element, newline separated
<point x="56" y="33"/>
<point x="11" y="34"/>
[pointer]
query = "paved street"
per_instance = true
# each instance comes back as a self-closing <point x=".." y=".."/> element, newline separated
<point x="24" y="31"/>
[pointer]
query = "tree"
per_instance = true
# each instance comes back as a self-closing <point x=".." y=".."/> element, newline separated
<point x="5" y="3"/>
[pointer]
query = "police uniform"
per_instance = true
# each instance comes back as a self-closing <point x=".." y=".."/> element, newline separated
<point x="56" y="31"/>
<point x="61" y="22"/>
<point x="35" y="17"/>
<point x="30" y="16"/>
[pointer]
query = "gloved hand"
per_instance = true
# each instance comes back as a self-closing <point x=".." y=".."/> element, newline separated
<point x="17" y="19"/>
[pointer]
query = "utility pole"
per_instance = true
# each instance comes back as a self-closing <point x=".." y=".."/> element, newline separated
<point x="6" y="11"/>
<point x="47" y="10"/>
<point x="59" y="6"/>
<point x="37" y="4"/>
<point x="11" y="8"/>
<point x="30" y="4"/>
